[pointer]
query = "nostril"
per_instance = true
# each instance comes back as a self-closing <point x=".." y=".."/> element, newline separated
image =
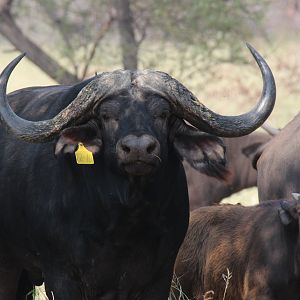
<point x="125" y="148"/>
<point x="151" y="148"/>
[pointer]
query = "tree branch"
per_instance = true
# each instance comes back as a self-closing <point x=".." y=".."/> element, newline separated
<point x="10" y="30"/>
<point x="128" y="41"/>
<point x="5" y="5"/>
<point x="104" y="28"/>
<point x="60" y="26"/>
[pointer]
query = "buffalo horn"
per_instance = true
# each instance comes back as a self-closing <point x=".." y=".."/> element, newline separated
<point x="187" y="106"/>
<point x="82" y="105"/>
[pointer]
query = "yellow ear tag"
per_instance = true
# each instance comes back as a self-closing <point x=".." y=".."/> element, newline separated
<point x="83" y="155"/>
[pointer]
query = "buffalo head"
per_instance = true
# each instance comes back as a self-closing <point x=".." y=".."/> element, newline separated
<point x="133" y="119"/>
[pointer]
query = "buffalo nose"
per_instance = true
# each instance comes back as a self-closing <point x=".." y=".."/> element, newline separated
<point x="138" y="147"/>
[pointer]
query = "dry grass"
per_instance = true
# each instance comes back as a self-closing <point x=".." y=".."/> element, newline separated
<point x="247" y="197"/>
<point x="38" y="293"/>
<point x="226" y="277"/>
<point x="176" y="290"/>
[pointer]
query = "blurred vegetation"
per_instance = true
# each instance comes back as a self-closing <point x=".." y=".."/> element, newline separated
<point x="206" y="32"/>
<point x="80" y="34"/>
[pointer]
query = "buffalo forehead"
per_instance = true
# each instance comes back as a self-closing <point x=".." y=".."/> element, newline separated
<point x="137" y="82"/>
<point x="127" y="78"/>
<point x="134" y="96"/>
<point x="134" y="103"/>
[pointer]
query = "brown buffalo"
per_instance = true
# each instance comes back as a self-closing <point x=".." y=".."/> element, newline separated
<point x="278" y="166"/>
<point x="258" y="245"/>
<point x="205" y="190"/>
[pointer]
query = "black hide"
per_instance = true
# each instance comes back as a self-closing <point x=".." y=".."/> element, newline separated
<point x="93" y="231"/>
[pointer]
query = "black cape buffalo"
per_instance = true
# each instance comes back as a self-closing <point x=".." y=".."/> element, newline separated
<point x="278" y="166"/>
<point x="205" y="190"/>
<point x="258" y="245"/>
<point x="109" y="230"/>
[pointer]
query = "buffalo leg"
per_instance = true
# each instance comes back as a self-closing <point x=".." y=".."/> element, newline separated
<point x="9" y="283"/>
<point x="25" y="287"/>
<point x="160" y="287"/>
<point x="159" y="290"/>
<point x="62" y="288"/>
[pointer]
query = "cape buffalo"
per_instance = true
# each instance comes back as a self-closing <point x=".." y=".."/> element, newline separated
<point x="278" y="166"/>
<point x="109" y="230"/>
<point x="205" y="190"/>
<point x="258" y="245"/>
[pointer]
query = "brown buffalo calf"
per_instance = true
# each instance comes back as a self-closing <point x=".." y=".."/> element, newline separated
<point x="259" y="245"/>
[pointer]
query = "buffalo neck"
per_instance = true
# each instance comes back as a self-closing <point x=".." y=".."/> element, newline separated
<point x="103" y="187"/>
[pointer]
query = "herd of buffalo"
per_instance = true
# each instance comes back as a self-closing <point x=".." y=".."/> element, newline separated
<point x="116" y="226"/>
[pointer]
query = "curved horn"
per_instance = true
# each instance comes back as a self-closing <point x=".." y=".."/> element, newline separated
<point x="186" y="105"/>
<point x="269" y="129"/>
<point x="42" y="131"/>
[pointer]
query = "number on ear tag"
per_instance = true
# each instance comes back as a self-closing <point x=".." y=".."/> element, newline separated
<point x="83" y="155"/>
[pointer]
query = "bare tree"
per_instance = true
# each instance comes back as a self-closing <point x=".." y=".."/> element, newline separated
<point x="11" y="31"/>
<point x="14" y="34"/>
<point x="197" y="34"/>
<point x="80" y="27"/>
<point x="129" y="44"/>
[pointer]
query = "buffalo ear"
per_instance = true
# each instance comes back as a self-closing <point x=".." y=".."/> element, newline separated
<point x="88" y="134"/>
<point x="285" y="217"/>
<point x="204" y="152"/>
<point x="287" y="212"/>
<point x="253" y="152"/>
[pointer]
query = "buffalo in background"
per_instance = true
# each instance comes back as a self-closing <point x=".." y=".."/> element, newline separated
<point x="259" y="245"/>
<point x="110" y="230"/>
<point x="278" y="166"/>
<point x="205" y="190"/>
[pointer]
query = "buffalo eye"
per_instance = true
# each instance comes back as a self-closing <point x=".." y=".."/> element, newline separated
<point x="163" y="115"/>
<point x="107" y="117"/>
